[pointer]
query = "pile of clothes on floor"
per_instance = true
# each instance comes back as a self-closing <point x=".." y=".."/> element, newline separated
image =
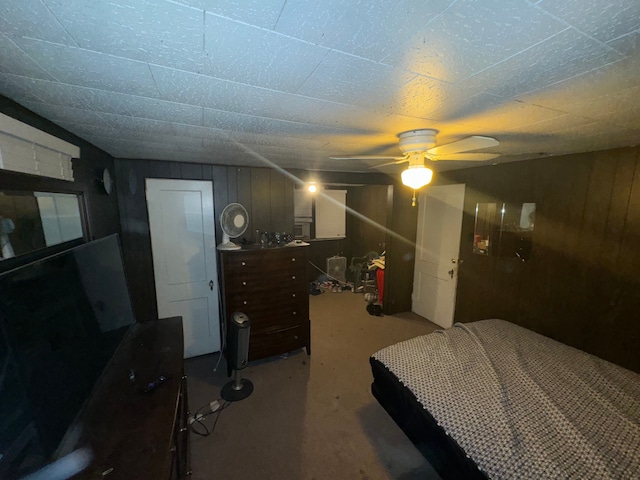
<point x="376" y="267"/>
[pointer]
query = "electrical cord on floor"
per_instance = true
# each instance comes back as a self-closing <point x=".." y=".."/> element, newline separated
<point x="220" y="355"/>
<point x="341" y="282"/>
<point x="198" y="418"/>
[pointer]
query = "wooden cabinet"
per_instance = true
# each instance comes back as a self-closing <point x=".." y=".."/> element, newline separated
<point x="270" y="286"/>
<point x="132" y="434"/>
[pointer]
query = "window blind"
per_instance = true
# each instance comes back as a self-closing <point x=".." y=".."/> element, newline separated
<point x="331" y="214"/>
<point x="302" y="204"/>
<point x="26" y="149"/>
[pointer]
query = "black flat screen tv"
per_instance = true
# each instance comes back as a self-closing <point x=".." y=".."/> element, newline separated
<point x="61" y="320"/>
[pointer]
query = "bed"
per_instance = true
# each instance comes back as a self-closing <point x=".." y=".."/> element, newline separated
<point x="490" y="399"/>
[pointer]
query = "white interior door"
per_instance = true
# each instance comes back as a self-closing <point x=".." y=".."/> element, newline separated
<point x="181" y="221"/>
<point x="437" y="251"/>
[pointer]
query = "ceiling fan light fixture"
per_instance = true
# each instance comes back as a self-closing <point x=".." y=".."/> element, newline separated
<point x="417" y="176"/>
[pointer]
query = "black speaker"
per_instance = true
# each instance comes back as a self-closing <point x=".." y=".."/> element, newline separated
<point x="238" y="357"/>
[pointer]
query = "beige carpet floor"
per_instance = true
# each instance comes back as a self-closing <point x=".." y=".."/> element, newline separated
<point x="310" y="417"/>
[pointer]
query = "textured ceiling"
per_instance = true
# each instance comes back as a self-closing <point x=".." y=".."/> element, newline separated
<point x="293" y="82"/>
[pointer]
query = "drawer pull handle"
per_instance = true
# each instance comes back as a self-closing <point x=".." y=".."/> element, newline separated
<point x="295" y="313"/>
<point x="244" y="302"/>
<point x="293" y="259"/>
<point x="244" y="283"/>
<point x="293" y="295"/>
<point x="295" y="337"/>
<point x="244" y="263"/>
<point x="293" y="277"/>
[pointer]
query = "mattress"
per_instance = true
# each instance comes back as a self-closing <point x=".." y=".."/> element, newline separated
<point x="443" y="453"/>
<point x="516" y="403"/>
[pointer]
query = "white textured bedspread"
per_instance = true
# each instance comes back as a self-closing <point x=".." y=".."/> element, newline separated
<point x="521" y="405"/>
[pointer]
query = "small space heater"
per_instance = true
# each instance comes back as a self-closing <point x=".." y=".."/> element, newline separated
<point x="238" y="356"/>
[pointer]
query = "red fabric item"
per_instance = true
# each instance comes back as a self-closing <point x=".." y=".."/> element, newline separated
<point x="380" y="280"/>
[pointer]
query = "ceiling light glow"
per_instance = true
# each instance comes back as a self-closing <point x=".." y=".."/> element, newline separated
<point x="417" y="176"/>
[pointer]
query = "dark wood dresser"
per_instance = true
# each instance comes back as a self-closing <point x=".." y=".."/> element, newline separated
<point x="270" y="286"/>
<point x="132" y="434"/>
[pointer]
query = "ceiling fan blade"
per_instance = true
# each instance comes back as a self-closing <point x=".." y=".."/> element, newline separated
<point x="467" y="157"/>
<point x="367" y="157"/>
<point x="398" y="160"/>
<point x="470" y="143"/>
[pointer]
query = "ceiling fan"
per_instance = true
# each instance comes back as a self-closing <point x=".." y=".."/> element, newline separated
<point x="420" y="145"/>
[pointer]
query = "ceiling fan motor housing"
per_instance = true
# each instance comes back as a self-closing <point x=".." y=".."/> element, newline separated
<point x="417" y="140"/>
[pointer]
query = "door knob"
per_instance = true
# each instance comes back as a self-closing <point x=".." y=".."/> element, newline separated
<point x="451" y="272"/>
<point x="211" y="285"/>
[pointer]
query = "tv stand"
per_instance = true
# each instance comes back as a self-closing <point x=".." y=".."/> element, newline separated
<point x="130" y="433"/>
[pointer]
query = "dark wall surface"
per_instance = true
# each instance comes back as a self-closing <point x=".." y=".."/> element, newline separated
<point x="267" y="195"/>
<point x="366" y="229"/>
<point x="366" y="220"/>
<point x="319" y="251"/>
<point x="581" y="285"/>
<point x="102" y="209"/>
<point x="402" y="223"/>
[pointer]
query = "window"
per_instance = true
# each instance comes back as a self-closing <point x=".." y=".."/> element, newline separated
<point x="326" y="210"/>
<point x="32" y="221"/>
<point x="331" y="214"/>
<point x="60" y="216"/>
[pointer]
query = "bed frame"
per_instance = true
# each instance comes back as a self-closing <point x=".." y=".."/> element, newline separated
<point x="442" y="452"/>
<point x="492" y="399"/>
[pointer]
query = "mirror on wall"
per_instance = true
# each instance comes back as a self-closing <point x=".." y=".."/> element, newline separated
<point x="31" y="221"/>
<point x="504" y="229"/>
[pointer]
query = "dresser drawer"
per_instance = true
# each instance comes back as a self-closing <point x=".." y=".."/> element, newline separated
<point x="269" y="315"/>
<point x="272" y="294"/>
<point x="276" y="259"/>
<point x="259" y="281"/>
<point x="275" y="342"/>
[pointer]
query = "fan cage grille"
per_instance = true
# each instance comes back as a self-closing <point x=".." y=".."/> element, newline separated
<point x="227" y="220"/>
<point x="337" y="268"/>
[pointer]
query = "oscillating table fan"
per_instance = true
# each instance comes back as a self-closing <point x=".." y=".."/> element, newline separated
<point x="234" y="220"/>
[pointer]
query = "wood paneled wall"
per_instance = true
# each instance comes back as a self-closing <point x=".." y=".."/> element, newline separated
<point x="366" y="220"/>
<point x="402" y="225"/>
<point x="368" y="201"/>
<point x="266" y="194"/>
<point x="319" y="251"/>
<point x="582" y="283"/>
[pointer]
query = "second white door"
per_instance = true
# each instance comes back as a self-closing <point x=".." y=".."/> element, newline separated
<point x="437" y="251"/>
<point x="181" y="220"/>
